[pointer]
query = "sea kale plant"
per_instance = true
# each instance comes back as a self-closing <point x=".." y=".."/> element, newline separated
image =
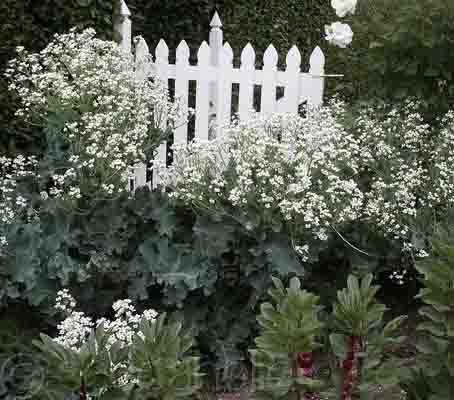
<point x="406" y="163"/>
<point x="381" y="166"/>
<point x="98" y="115"/>
<point x="131" y="355"/>
<point x="283" y="171"/>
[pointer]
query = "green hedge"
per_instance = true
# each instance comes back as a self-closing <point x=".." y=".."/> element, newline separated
<point x="281" y="22"/>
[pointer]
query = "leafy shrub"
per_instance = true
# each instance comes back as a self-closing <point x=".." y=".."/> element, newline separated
<point x="150" y="250"/>
<point x="286" y="172"/>
<point x="437" y="344"/>
<point x="132" y="355"/>
<point x="90" y="371"/>
<point x="95" y="130"/>
<point x="362" y="340"/>
<point x="290" y="329"/>
<point x="382" y="166"/>
<point x="400" y="50"/>
<point x="161" y="363"/>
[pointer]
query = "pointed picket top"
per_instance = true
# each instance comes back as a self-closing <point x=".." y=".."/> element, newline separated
<point x="183" y="53"/>
<point x="227" y="54"/>
<point x="216" y="21"/>
<point x="203" y="55"/>
<point x="141" y="47"/>
<point x="248" y="56"/>
<point x="317" y="61"/>
<point x="270" y="57"/>
<point x="293" y="59"/>
<point x="162" y="51"/>
<point x="124" y="10"/>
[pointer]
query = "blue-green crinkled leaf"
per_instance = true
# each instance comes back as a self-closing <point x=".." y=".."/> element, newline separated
<point x="283" y="258"/>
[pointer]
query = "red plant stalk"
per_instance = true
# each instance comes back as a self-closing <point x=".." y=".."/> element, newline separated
<point x="306" y="363"/>
<point x="83" y="392"/>
<point x="351" y="367"/>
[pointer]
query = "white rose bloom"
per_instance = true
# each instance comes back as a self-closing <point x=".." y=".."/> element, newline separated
<point x="339" y="34"/>
<point x="344" y="7"/>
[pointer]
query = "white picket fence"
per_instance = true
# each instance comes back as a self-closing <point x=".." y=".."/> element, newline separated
<point x="214" y="75"/>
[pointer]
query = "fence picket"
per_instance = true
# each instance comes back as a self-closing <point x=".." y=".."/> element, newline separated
<point x="182" y="90"/>
<point x="268" y="100"/>
<point x="215" y="41"/>
<point x="316" y="79"/>
<point x="293" y="69"/>
<point x="247" y="69"/>
<point x="142" y="64"/>
<point x="202" y="94"/>
<point x="224" y="104"/>
<point x="161" y="66"/>
<point x="123" y="27"/>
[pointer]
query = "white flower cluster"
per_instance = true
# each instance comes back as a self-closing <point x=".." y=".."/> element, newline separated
<point x="126" y="322"/>
<point x="338" y="33"/>
<point x="394" y="152"/>
<point x="76" y="327"/>
<point x="344" y="7"/>
<point x="74" y="330"/>
<point x="390" y="170"/>
<point x="296" y="169"/>
<point x="111" y="118"/>
<point x="410" y="165"/>
<point x="443" y="164"/>
<point x="12" y="170"/>
<point x="398" y="277"/>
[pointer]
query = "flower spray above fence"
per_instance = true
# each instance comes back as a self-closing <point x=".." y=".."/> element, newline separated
<point x="338" y="33"/>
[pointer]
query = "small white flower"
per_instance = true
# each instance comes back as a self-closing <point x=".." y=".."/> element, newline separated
<point x="339" y="34"/>
<point x="344" y="7"/>
<point x="150" y="315"/>
<point x="422" y="253"/>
